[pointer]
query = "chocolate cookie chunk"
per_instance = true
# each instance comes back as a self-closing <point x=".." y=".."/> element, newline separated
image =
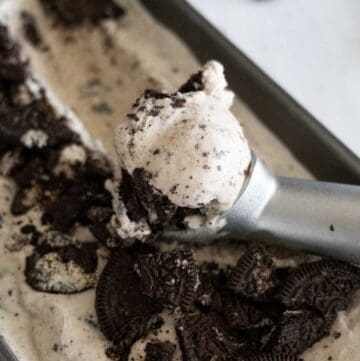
<point x="24" y="199"/>
<point x="76" y="12"/>
<point x="203" y="337"/>
<point x="254" y="275"/>
<point x="72" y="200"/>
<point x="142" y="199"/>
<point x="325" y="285"/>
<point x="12" y="66"/>
<point x="153" y="199"/>
<point x="243" y="315"/>
<point x="64" y="269"/>
<point x="32" y="232"/>
<point x="98" y="214"/>
<point x="208" y="293"/>
<point x="298" y="330"/>
<point x="34" y="125"/>
<point x="129" y="196"/>
<point x="169" y="277"/>
<point x="124" y="312"/>
<point x="273" y="357"/>
<point x="102" y="234"/>
<point x="159" y="351"/>
<point x="30" y="29"/>
<point x="195" y="83"/>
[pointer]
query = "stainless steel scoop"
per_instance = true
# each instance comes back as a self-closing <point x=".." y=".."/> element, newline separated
<point x="320" y="217"/>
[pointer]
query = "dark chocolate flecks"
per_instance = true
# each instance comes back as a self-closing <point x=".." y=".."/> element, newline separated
<point x="31" y="30"/>
<point x="103" y="108"/>
<point x="133" y="117"/>
<point x="74" y="13"/>
<point x="178" y="102"/>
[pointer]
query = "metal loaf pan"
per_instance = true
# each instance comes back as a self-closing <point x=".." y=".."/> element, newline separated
<point x="312" y="144"/>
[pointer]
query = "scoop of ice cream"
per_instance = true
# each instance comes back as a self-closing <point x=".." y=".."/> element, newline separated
<point x="188" y="145"/>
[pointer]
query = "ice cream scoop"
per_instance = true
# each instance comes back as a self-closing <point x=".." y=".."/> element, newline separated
<point x="186" y="148"/>
<point x="187" y="155"/>
<point x="315" y="216"/>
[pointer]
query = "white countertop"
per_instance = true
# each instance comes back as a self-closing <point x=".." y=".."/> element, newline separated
<point x="310" y="48"/>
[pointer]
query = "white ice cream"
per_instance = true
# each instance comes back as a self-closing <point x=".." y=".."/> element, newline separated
<point x="191" y="144"/>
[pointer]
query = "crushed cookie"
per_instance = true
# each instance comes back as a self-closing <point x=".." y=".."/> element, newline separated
<point x="133" y="117"/>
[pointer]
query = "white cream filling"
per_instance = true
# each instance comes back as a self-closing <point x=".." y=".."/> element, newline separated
<point x="34" y="138"/>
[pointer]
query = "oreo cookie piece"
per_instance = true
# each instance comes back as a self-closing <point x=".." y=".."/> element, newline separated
<point x="160" y="351"/>
<point x="146" y="200"/>
<point x="32" y="232"/>
<point x="138" y="248"/>
<point x="195" y="83"/>
<point x="98" y="214"/>
<point x="73" y="199"/>
<point x="125" y="313"/>
<point x="77" y="12"/>
<point x="30" y="168"/>
<point x="30" y="29"/>
<point x="12" y="67"/>
<point x="64" y="211"/>
<point x="102" y="234"/>
<point x="129" y="196"/>
<point x="325" y="285"/>
<point x="25" y="198"/>
<point x="243" y="315"/>
<point x="152" y="198"/>
<point x="62" y="269"/>
<point x="169" y="277"/>
<point x="298" y="330"/>
<point x="273" y="357"/>
<point x="208" y="293"/>
<point x="33" y="125"/>
<point x="204" y="337"/>
<point x="254" y="275"/>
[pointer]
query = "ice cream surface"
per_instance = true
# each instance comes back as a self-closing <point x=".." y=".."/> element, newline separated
<point x="188" y="145"/>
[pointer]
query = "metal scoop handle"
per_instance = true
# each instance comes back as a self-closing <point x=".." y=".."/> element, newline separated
<point x="319" y="217"/>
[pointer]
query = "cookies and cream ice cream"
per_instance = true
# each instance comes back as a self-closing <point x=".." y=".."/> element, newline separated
<point x="188" y="146"/>
<point x="154" y="301"/>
